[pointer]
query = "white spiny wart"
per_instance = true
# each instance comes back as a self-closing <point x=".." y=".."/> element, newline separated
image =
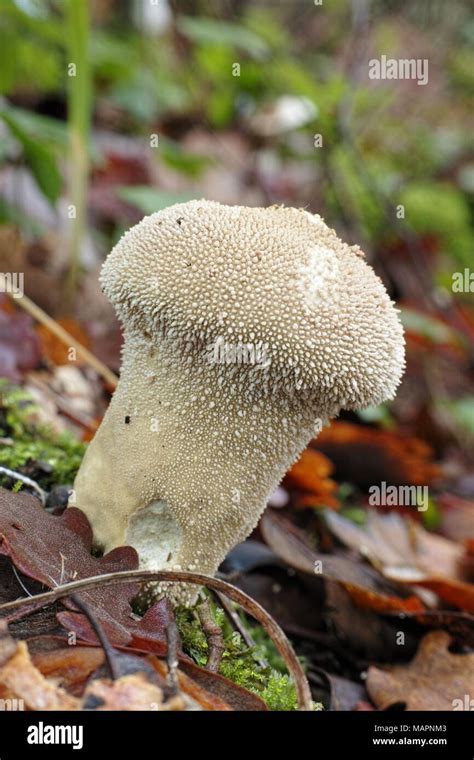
<point x="183" y="432"/>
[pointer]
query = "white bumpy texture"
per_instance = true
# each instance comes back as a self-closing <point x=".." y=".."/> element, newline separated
<point x="246" y="329"/>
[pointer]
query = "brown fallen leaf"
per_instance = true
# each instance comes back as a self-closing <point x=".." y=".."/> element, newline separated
<point x="406" y="553"/>
<point x="365" y="455"/>
<point x="131" y="693"/>
<point x="203" y="697"/>
<point x="54" y="550"/>
<point x="71" y="668"/>
<point x="366" y="586"/>
<point x="236" y="696"/>
<point x="22" y="680"/>
<point x="435" y="679"/>
<point x="54" y="349"/>
<point x="311" y="475"/>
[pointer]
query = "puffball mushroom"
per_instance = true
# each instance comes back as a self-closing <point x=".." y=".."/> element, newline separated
<point x="245" y="331"/>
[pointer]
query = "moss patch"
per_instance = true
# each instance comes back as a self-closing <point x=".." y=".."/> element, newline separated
<point x="239" y="662"/>
<point x="31" y="448"/>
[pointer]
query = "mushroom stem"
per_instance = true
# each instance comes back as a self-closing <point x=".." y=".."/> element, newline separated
<point x="185" y="472"/>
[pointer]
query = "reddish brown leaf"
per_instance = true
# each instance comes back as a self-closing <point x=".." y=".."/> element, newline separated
<point x="70" y="667"/>
<point x="211" y="690"/>
<point x="54" y="550"/>
<point x="311" y="474"/>
<point x="365" y="455"/>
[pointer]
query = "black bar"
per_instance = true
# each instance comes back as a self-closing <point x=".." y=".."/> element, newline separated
<point x="318" y="734"/>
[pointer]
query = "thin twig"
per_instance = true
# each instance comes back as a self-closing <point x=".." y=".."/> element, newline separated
<point x="109" y="652"/>
<point x="249" y="605"/>
<point x="20" y="582"/>
<point x="238" y="625"/>
<point x="26" y="481"/>
<point x="213" y="633"/>
<point x="37" y="313"/>
<point x="172" y="639"/>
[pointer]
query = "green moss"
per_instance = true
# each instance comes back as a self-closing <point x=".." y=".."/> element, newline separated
<point x="240" y="663"/>
<point x="35" y="449"/>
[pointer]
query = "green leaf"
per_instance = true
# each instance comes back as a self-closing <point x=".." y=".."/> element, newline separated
<point x="379" y="414"/>
<point x="432" y="516"/>
<point x="175" y="156"/>
<point x="462" y="412"/>
<point x="44" y="128"/>
<point x="442" y="210"/>
<point x="206" y="31"/>
<point x="150" y="199"/>
<point x="39" y="157"/>
<point x="428" y="327"/>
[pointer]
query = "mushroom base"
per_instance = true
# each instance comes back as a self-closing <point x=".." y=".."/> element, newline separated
<point x="154" y="532"/>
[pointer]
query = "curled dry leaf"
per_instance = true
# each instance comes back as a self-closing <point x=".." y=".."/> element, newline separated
<point x="131" y="693"/>
<point x="435" y="679"/>
<point x="20" y="679"/>
<point x="364" y="456"/>
<point x="366" y="587"/>
<point x="311" y="475"/>
<point x="406" y="553"/>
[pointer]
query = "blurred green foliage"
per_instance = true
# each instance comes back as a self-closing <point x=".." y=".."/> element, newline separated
<point x="384" y="144"/>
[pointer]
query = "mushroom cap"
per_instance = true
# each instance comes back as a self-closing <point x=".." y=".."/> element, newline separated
<point x="276" y="279"/>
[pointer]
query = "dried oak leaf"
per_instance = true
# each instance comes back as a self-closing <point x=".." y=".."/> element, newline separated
<point x="54" y="550"/>
<point x="366" y="587"/>
<point x="20" y="679"/>
<point x="54" y="349"/>
<point x="311" y="475"/>
<point x="365" y="455"/>
<point x="406" y="553"/>
<point x="72" y="667"/>
<point x="130" y="693"/>
<point x="434" y="680"/>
